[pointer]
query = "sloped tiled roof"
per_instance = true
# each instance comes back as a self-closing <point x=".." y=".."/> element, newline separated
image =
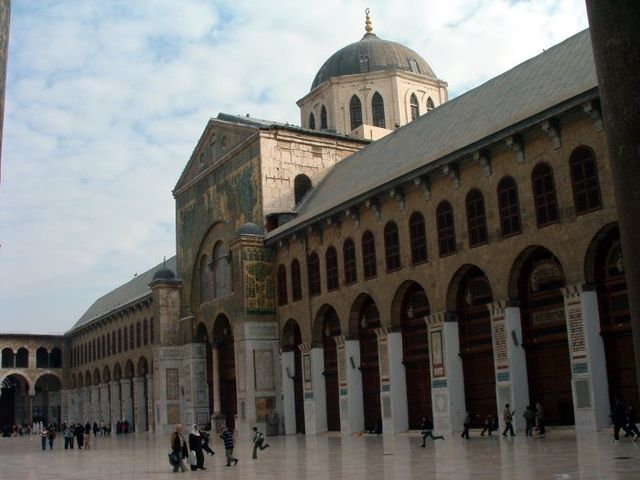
<point x="557" y="75"/>
<point x="134" y="289"/>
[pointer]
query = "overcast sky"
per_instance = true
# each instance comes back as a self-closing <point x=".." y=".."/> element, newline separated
<point x="106" y="100"/>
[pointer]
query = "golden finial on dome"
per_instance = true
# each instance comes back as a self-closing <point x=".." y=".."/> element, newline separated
<point x="367" y="23"/>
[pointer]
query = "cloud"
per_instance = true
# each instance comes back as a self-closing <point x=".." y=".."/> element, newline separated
<point x="106" y="101"/>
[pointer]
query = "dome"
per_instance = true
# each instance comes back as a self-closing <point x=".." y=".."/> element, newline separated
<point x="250" y="229"/>
<point x="164" y="274"/>
<point x="372" y="54"/>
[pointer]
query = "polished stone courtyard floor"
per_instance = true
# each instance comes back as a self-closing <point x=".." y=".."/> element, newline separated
<point x="144" y="456"/>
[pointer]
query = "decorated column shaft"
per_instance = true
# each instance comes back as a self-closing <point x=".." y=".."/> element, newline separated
<point x="315" y="395"/>
<point x="288" y="366"/>
<point x="393" y="383"/>
<point x="127" y="402"/>
<point x="150" y="411"/>
<point x="95" y="403"/>
<point x="139" y="404"/>
<point x="350" y="378"/>
<point x="194" y="384"/>
<point x="447" y="379"/>
<point x="105" y="404"/>
<point x="588" y="365"/>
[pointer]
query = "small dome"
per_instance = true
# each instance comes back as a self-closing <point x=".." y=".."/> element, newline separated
<point x="372" y="54"/>
<point x="164" y="274"/>
<point x="250" y="229"/>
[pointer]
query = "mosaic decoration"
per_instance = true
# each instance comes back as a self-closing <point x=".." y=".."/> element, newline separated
<point x="342" y="366"/>
<point x="500" y="343"/>
<point x="259" y="282"/>
<point x="383" y="352"/>
<point x="576" y="330"/>
<point x="306" y="366"/>
<point x="264" y="407"/>
<point x="579" y="368"/>
<point x="172" y="384"/>
<point x="503" y="377"/>
<point x="263" y="368"/>
<point x="240" y="378"/>
<point x="437" y="355"/>
<point x="173" y="414"/>
<point x="187" y="382"/>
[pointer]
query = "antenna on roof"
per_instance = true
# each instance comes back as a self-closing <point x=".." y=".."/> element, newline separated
<point x="164" y="261"/>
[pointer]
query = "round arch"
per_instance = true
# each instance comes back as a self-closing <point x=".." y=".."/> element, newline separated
<point x="326" y="311"/>
<point x="402" y="301"/>
<point x="96" y="376"/>
<point x="87" y="379"/>
<point x="201" y="335"/>
<point x="364" y="304"/>
<point x="143" y="367"/>
<point x="14" y="385"/>
<point x="225" y="343"/>
<point x="291" y="335"/>
<point x="205" y="247"/>
<point x="590" y="259"/>
<point x="72" y="381"/>
<point x="117" y="372"/>
<point x="106" y="374"/>
<point x="291" y="340"/>
<point x="129" y="370"/>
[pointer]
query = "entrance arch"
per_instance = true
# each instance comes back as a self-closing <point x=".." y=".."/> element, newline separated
<point x="473" y="293"/>
<point x="292" y="338"/>
<point x="14" y="391"/>
<point x="366" y="311"/>
<point x="544" y="331"/>
<point x="47" y="400"/>
<point x="608" y="272"/>
<point x="328" y="318"/>
<point x="411" y="306"/>
<point x="223" y="337"/>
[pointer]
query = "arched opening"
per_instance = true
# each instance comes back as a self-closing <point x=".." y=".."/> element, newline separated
<point x="476" y="342"/>
<point x="223" y="337"/>
<point x="414" y="107"/>
<point x="8" y="360"/>
<point x="377" y="110"/>
<point x="14" y="408"/>
<point x="47" y="400"/>
<point x="55" y="358"/>
<point x="368" y="321"/>
<point x="96" y="377"/>
<point x="544" y="331"/>
<point x="22" y="358"/>
<point x="330" y="322"/>
<point x="106" y="374"/>
<point x="140" y="411"/>
<point x="411" y="306"/>
<point x="430" y="104"/>
<point x="355" y="112"/>
<point x="42" y="358"/>
<point x="292" y="338"/>
<point x="615" y="318"/>
<point x="312" y="121"/>
<point x="301" y="185"/>
<point x="323" y="118"/>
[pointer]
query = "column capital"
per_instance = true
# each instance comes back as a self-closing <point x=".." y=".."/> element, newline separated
<point x="571" y="291"/>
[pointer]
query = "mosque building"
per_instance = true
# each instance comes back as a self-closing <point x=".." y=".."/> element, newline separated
<point x="398" y="255"/>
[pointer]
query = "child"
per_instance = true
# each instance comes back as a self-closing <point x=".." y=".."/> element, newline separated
<point x="258" y="440"/>
<point x="427" y="431"/>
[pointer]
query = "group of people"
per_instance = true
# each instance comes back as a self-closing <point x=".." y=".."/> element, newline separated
<point x="198" y="443"/>
<point x="18" y="430"/>
<point x="533" y="416"/>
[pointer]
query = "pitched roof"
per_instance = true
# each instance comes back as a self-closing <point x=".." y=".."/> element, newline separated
<point x="135" y="289"/>
<point x="557" y="75"/>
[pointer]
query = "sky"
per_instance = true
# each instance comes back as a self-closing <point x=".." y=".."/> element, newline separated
<point x="106" y="100"/>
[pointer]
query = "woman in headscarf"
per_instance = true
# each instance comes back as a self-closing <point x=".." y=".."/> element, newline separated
<point x="195" y="445"/>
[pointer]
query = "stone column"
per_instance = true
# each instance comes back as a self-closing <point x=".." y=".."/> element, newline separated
<point x="315" y="395"/>
<point x="29" y="407"/>
<point x="196" y="392"/>
<point x="393" y="383"/>
<point x="105" y="404"/>
<point x="215" y="379"/>
<point x="65" y="407"/>
<point x="116" y="405"/>
<point x="447" y="380"/>
<point x="350" y="377"/>
<point x="150" y="413"/>
<point x="86" y="404"/>
<point x="95" y="404"/>
<point x="588" y="365"/>
<point x="288" y="366"/>
<point x="127" y="402"/>
<point x="509" y="359"/>
<point x="139" y="404"/>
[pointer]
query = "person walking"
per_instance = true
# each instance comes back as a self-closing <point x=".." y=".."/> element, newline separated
<point x="467" y="424"/>
<point x="195" y="445"/>
<point x="227" y="438"/>
<point x="258" y="442"/>
<point x="43" y="438"/>
<point x="619" y="417"/>
<point x="427" y="431"/>
<point x="87" y="436"/>
<point x="205" y="443"/>
<point x="632" y="428"/>
<point x="79" y="432"/>
<point x="67" y="433"/>
<point x="507" y="417"/>
<point x="529" y="418"/>
<point x="96" y="429"/>
<point x="489" y="425"/>
<point x="539" y="416"/>
<point x="179" y="449"/>
<point x="51" y="435"/>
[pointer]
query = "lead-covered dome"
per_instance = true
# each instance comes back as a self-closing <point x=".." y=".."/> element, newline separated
<point x="372" y="54"/>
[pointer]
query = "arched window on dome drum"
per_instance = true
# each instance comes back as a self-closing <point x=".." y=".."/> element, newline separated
<point x="364" y="63"/>
<point x="301" y="185"/>
<point x="312" y="121"/>
<point x="417" y="238"/>
<point x="282" y="285"/>
<point x="296" y="281"/>
<point x="331" y="260"/>
<point x="430" y="105"/>
<point x="377" y="109"/>
<point x="313" y="274"/>
<point x="392" y="246"/>
<point x="446" y="229"/>
<point x="544" y="194"/>
<point x="369" y="255"/>
<point x="415" y="108"/>
<point x="350" y="266"/>
<point x="584" y="180"/>
<point x="323" y="118"/>
<point x="413" y="65"/>
<point x="355" y="112"/>
<point x="509" y="207"/>
<point x="476" y="218"/>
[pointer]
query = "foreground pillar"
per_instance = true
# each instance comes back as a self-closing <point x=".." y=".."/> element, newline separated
<point x="116" y="406"/>
<point x="315" y="396"/>
<point x="139" y="404"/>
<point x="393" y="383"/>
<point x="127" y="402"/>
<point x="350" y="378"/>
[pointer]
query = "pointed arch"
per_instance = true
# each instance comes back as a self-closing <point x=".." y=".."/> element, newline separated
<point x="377" y="110"/>
<point x="414" y="107"/>
<point x="355" y="112"/>
<point x="323" y="118"/>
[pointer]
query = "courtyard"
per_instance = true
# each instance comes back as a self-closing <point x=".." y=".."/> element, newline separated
<point x="561" y="455"/>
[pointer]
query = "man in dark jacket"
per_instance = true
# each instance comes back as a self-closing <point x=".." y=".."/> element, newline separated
<point x="619" y="417"/>
<point x="79" y="435"/>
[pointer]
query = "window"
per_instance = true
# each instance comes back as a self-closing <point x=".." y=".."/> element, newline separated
<point x="418" y="238"/>
<point x="113" y="342"/>
<point x="125" y="339"/>
<point x="313" y="273"/>
<point x="104" y="347"/>
<point x="364" y="63"/>
<point x="94" y="349"/>
<point x="349" y="258"/>
<point x="446" y="229"/>
<point x="296" y="281"/>
<point x="323" y="118"/>
<point x="301" y="185"/>
<point x="544" y="194"/>
<point x="377" y="108"/>
<point x="312" y="121"/>
<point x="392" y="246"/>
<point x="355" y="110"/>
<point x="413" y="65"/>
<point x="151" y="336"/>
<point x="584" y="180"/>
<point x="282" y="285"/>
<point x="476" y="218"/>
<point x="331" y="259"/>
<point x="131" y="338"/>
<point x="145" y="331"/>
<point x="138" y="335"/>
<point x="415" y="108"/>
<point x="509" y="207"/>
<point x="119" y="341"/>
<point x="430" y="105"/>
<point x="369" y="255"/>
<point x="205" y="276"/>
